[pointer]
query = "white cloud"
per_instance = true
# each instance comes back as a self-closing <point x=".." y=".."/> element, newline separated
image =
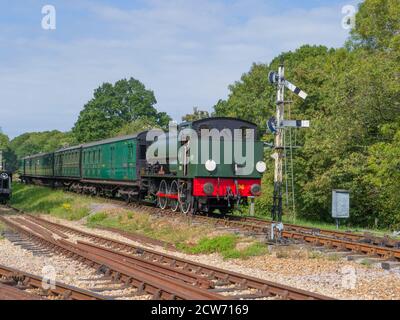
<point x="188" y="52"/>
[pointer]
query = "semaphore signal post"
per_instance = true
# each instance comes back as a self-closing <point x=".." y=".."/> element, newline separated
<point x="278" y="125"/>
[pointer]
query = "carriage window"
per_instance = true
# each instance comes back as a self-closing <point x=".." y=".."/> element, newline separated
<point x="112" y="153"/>
<point x="130" y="151"/>
<point x="243" y="129"/>
<point x="142" y="151"/>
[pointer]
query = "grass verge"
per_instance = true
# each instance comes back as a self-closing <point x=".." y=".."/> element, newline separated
<point x="198" y="239"/>
<point x="227" y="246"/>
<point x="171" y="230"/>
<point x="185" y="237"/>
<point x="37" y="199"/>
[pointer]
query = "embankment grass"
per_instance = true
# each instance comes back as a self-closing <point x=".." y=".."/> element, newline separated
<point x="187" y="238"/>
<point x="227" y="246"/>
<point x="37" y="199"/>
<point x="193" y="239"/>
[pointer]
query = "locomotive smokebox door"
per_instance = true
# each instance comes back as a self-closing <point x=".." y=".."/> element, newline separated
<point x="340" y="205"/>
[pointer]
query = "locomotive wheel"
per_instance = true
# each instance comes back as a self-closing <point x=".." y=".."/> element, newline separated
<point x="185" y="197"/>
<point x="163" y="190"/>
<point x="173" y="190"/>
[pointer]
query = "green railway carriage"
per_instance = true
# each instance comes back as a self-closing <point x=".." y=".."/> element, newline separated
<point x="67" y="162"/>
<point x="110" y="160"/>
<point x="40" y="165"/>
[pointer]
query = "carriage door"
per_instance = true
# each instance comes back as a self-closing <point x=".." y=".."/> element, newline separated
<point x="112" y="162"/>
<point x="130" y="169"/>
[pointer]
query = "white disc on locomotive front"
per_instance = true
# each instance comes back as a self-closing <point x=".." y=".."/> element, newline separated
<point x="211" y="165"/>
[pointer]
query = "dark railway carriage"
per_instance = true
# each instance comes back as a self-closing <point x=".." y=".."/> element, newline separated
<point x="120" y="167"/>
<point x="38" y="166"/>
<point x="5" y="186"/>
<point x="67" y="163"/>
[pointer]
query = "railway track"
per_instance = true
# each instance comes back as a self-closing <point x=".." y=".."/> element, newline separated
<point x="382" y="247"/>
<point x="18" y="285"/>
<point x="371" y="246"/>
<point x="262" y="227"/>
<point x="161" y="275"/>
<point x="335" y="240"/>
<point x="348" y="236"/>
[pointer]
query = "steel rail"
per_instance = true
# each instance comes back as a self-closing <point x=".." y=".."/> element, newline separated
<point x="266" y="288"/>
<point x="13" y="276"/>
<point x="158" y="286"/>
<point x="11" y="293"/>
<point x="317" y="240"/>
<point x="350" y="236"/>
<point x="256" y="225"/>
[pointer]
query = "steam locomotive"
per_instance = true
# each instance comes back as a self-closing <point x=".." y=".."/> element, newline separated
<point x="137" y="168"/>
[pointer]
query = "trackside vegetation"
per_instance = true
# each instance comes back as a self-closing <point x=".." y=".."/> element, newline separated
<point x="36" y="199"/>
<point x="188" y="238"/>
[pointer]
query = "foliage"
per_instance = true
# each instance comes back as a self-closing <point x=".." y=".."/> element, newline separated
<point x="114" y="106"/>
<point x="377" y="25"/>
<point x="4" y="141"/>
<point x="226" y="245"/>
<point x="36" y="142"/>
<point x="96" y="218"/>
<point x="138" y="125"/>
<point x="8" y="157"/>
<point x="196" y="115"/>
<point x="354" y="108"/>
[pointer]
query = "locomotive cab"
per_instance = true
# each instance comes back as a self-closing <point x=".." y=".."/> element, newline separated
<point x="225" y="165"/>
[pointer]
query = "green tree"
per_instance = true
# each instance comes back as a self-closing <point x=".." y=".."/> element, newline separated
<point x="352" y="95"/>
<point x="113" y="106"/>
<point x="137" y="126"/>
<point x="4" y="141"/>
<point x="196" y="115"/>
<point x="37" y="142"/>
<point x="377" y="24"/>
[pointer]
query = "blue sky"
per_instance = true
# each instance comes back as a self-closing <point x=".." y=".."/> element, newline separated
<point x="187" y="51"/>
